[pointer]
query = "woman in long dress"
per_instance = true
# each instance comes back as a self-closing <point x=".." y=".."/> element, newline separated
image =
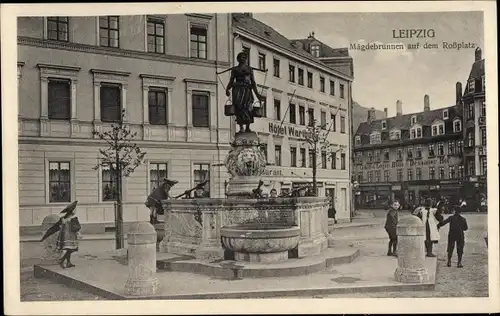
<point x="241" y="84"/>
<point x="430" y="216"/>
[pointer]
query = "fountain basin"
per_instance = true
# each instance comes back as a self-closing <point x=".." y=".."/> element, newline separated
<point x="260" y="242"/>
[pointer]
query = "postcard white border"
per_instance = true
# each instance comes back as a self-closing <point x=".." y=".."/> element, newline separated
<point x="13" y="306"/>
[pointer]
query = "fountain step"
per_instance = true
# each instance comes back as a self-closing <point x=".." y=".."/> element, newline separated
<point x="229" y="268"/>
<point x="103" y="275"/>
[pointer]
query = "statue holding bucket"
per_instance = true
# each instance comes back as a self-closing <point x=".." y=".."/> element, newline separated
<point x="241" y="85"/>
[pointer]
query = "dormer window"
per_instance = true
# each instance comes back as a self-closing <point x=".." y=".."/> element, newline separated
<point x="357" y="140"/>
<point x="472" y="86"/>
<point x="395" y="135"/>
<point x="315" y="50"/>
<point x="445" y="115"/>
<point x="384" y="124"/>
<point x="457" y="125"/>
<point x="413" y="119"/>
<point x="375" y="138"/>
<point x="438" y="128"/>
<point x="416" y="132"/>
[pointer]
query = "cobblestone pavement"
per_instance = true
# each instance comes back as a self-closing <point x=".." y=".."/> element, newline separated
<point x="470" y="281"/>
<point x="44" y="290"/>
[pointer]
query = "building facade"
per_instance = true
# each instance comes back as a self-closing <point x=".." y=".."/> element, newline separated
<point x="410" y="156"/>
<point x="76" y="74"/>
<point x="475" y="137"/>
<point x="299" y="88"/>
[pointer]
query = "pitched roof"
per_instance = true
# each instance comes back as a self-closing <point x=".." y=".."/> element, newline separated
<point x="476" y="73"/>
<point x="403" y="122"/>
<point x="264" y="31"/>
<point x="477" y="70"/>
<point x="325" y="50"/>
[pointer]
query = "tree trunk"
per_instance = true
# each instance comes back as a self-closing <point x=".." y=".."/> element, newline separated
<point x="119" y="207"/>
<point x="314" y="157"/>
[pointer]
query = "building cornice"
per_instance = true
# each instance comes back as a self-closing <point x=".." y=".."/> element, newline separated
<point x="188" y="80"/>
<point x="110" y="72"/>
<point x="200" y="15"/>
<point x="141" y="143"/>
<point x="285" y="51"/>
<point x="116" y="52"/>
<point x="59" y="67"/>
<point x="146" y="76"/>
<point x="409" y="142"/>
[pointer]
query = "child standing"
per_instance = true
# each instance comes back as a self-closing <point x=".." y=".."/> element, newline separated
<point x="391" y="223"/>
<point x="458" y="225"/>
<point x="68" y="227"/>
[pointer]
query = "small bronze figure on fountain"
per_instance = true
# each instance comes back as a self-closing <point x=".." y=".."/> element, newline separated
<point x="241" y="84"/>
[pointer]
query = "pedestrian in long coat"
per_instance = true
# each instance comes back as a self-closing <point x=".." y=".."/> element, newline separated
<point x="391" y="224"/>
<point x="69" y="228"/>
<point x="430" y="216"/>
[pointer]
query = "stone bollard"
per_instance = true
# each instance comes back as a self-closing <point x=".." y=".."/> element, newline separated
<point x="51" y="254"/>
<point x="411" y="252"/>
<point x="142" y="280"/>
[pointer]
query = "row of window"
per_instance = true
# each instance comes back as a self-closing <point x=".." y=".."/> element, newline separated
<point x="292" y="116"/>
<point x="109" y="34"/>
<point x="59" y="103"/>
<point x="300" y="72"/>
<point x="60" y="180"/>
<point x="469" y="109"/>
<point x="298" y="159"/>
<point x="454" y="172"/>
<point x="455" y="147"/>
<point x="471" y="138"/>
<point x="415" y="132"/>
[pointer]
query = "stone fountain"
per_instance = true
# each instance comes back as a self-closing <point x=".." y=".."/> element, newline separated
<point x="243" y="227"/>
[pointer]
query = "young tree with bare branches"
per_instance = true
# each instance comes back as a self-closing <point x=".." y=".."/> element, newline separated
<point x="122" y="156"/>
<point x="316" y="136"/>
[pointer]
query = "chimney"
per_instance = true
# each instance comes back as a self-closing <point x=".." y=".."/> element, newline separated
<point x="399" y="108"/>
<point x="427" y="104"/>
<point x="248" y="14"/>
<point x="458" y="93"/>
<point x="385" y="112"/>
<point x="478" y="54"/>
<point x="371" y="114"/>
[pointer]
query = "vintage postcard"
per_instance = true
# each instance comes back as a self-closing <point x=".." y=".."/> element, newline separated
<point x="215" y="158"/>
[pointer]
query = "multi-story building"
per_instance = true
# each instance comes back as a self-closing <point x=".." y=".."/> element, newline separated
<point x="410" y="156"/>
<point x="299" y="88"/>
<point x="474" y="133"/>
<point x="76" y="74"/>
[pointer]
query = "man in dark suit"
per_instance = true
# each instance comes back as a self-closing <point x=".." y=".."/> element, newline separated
<point x="458" y="225"/>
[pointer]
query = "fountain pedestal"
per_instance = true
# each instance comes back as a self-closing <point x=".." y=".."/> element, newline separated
<point x="246" y="163"/>
<point x="260" y="243"/>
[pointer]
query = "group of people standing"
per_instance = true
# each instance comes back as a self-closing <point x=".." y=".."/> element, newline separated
<point x="431" y="215"/>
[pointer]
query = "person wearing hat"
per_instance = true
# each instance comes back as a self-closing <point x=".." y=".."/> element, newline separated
<point x="69" y="232"/>
<point x="153" y="202"/>
<point x="430" y="216"/>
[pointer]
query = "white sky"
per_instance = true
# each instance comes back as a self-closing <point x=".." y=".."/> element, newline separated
<point x="383" y="77"/>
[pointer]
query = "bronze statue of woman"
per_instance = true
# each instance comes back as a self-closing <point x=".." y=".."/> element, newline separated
<point x="241" y="84"/>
